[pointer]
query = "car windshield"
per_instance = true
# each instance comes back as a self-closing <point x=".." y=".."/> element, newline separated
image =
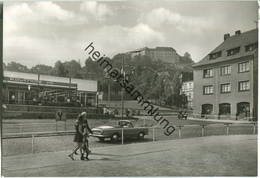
<point x="125" y="124"/>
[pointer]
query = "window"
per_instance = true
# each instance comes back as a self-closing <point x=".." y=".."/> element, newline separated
<point x="206" y="109"/>
<point x="207" y="73"/>
<point x="244" y="85"/>
<point x="243" y="67"/>
<point x="233" y="51"/>
<point x="190" y="86"/>
<point x="243" y="109"/>
<point x="208" y="90"/>
<point x="251" y="47"/>
<point x="184" y="86"/>
<point x="189" y="96"/>
<point x="225" y="70"/>
<point x="215" y="55"/>
<point x="225" y="88"/>
<point x="224" y="108"/>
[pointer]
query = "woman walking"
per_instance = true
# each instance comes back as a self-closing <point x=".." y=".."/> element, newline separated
<point x="86" y="131"/>
<point x="78" y="138"/>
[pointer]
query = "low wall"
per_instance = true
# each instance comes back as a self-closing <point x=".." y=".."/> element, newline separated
<point x="49" y="115"/>
<point x="35" y="108"/>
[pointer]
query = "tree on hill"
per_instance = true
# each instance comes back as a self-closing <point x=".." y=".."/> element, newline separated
<point x="92" y="70"/>
<point x="17" y="67"/>
<point x="186" y="59"/>
<point x="72" y="68"/>
<point x="42" y="69"/>
<point x="60" y="70"/>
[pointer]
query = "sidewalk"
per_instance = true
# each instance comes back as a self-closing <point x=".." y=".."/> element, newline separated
<point x="223" y="121"/>
<point x="202" y="156"/>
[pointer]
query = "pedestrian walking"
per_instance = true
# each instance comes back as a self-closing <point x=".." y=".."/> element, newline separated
<point x="78" y="138"/>
<point x="86" y="131"/>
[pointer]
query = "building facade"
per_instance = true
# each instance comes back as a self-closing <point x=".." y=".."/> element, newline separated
<point x="165" y="54"/>
<point x="28" y="88"/>
<point x="187" y="90"/>
<point x="225" y="81"/>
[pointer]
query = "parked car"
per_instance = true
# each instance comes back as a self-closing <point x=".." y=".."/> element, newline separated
<point x="115" y="132"/>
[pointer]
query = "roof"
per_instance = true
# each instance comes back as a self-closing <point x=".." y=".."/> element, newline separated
<point x="234" y="41"/>
<point x="82" y="85"/>
<point x="159" y="48"/>
<point x="138" y="50"/>
<point x="162" y="48"/>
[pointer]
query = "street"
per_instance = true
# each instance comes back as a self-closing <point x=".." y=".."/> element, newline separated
<point x="204" y="156"/>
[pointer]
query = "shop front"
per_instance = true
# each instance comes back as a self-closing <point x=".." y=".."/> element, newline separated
<point x="54" y="91"/>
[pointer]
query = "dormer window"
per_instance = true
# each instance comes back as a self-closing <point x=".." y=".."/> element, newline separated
<point x="233" y="51"/>
<point x="215" y="55"/>
<point x="251" y="47"/>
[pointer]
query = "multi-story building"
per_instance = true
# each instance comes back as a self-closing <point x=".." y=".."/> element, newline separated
<point x="225" y="81"/>
<point x="187" y="90"/>
<point x="165" y="54"/>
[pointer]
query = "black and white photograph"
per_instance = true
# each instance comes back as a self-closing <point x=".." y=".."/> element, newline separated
<point x="129" y="88"/>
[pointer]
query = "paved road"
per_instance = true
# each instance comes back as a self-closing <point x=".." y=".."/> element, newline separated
<point x="204" y="156"/>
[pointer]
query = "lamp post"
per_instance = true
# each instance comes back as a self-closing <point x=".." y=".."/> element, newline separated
<point x="97" y="99"/>
<point x="122" y="89"/>
<point x="29" y="89"/>
<point x="108" y="88"/>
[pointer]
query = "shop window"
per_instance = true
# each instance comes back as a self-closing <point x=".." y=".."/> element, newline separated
<point x="12" y="97"/>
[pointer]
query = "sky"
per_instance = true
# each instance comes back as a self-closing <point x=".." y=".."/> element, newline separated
<point x="45" y="31"/>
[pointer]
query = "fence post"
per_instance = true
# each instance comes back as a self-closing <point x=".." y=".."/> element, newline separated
<point x="153" y="135"/>
<point x="32" y="143"/>
<point x="20" y="128"/>
<point x="227" y="128"/>
<point x="144" y="123"/>
<point x="56" y="126"/>
<point x="122" y="137"/>
<point x="65" y="125"/>
<point x="202" y="130"/>
<point x="179" y="131"/>
<point x="254" y="128"/>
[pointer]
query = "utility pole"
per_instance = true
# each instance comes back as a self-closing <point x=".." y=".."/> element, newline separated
<point x="256" y="23"/>
<point x="107" y="77"/>
<point x="122" y="90"/>
<point x="109" y="92"/>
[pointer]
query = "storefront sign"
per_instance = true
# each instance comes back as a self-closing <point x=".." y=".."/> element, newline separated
<point x="39" y="82"/>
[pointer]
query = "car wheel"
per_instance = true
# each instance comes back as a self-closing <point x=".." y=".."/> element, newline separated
<point x="115" y="137"/>
<point x="101" y="139"/>
<point x="141" y="135"/>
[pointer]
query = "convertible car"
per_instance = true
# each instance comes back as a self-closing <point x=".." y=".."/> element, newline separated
<point x="115" y="132"/>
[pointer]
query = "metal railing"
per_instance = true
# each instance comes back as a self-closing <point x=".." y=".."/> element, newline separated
<point x="182" y="131"/>
<point x="222" y="117"/>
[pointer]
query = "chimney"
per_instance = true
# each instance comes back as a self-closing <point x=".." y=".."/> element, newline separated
<point x="238" y="32"/>
<point x="226" y="36"/>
